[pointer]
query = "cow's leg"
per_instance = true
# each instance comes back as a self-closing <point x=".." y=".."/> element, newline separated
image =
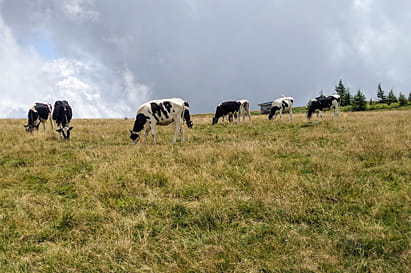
<point x="51" y="123"/>
<point x="176" y="125"/>
<point x="249" y="115"/>
<point x="281" y="113"/>
<point x="290" y="114"/>
<point x="59" y="134"/>
<point x="153" y="132"/>
<point x="146" y="130"/>
<point x="179" y="126"/>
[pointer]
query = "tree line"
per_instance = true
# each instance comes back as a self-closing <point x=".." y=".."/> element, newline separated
<point x="358" y="102"/>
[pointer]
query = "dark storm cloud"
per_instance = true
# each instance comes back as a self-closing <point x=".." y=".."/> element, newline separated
<point x="207" y="51"/>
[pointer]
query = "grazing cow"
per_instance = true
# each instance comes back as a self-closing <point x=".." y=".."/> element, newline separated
<point x="62" y="116"/>
<point x="324" y="103"/>
<point x="38" y="113"/>
<point x="161" y="112"/>
<point x="228" y="108"/>
<point x="244" y="109"/>
<point x="280" y="106"/>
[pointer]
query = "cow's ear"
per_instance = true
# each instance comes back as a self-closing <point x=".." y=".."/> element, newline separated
<point x="70" y="128"/>
<point x="59" y="130"/>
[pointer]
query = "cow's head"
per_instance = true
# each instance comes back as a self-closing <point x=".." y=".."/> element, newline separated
<point x="189" y="124"/>
<point x="31" y="128"/>
<point x="65" y="131"/>
<point x="134" y="136"/>
<point x="186" y="117"/>
<point x="215" y="120"/>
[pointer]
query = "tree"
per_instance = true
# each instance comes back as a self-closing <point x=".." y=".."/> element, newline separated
<point x="359" y="102"/>
<point x="409" y="97"/>
<point x="391" y="97"/>
<point x="380" y="94"/>
<point x="347" y="98"/>
<point x="344" y="93"/>
<point x="402" y="99"/>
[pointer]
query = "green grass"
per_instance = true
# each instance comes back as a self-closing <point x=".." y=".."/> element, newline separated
<point x="271" y="196"/>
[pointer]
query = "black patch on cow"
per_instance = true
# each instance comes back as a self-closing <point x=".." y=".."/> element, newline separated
<point x="285" y="104"/>
<point x="186" y="104"/>
<point x="274" y="109"/>
<point x="157" y="110"/>
<point x="139" y="122"/>
<point x="42" y="110"/>
<point x="168" y="106"/>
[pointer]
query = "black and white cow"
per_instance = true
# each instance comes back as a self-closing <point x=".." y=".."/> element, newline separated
<point x="62" y="115"/>
<point x="228" y="108"/>
<point x="280" y="106"/>
<point x="318" y="105"/>
<point x="38" y="113"/>
<point x="161" y="112"/>
<point x="244" y="109"/>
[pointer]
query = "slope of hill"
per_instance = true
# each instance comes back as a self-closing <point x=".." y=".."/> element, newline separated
<point x="279" y="196"/>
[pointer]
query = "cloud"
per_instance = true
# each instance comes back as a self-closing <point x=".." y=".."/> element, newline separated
<point x="108" y="57"/>
<point x="29" y="78"/>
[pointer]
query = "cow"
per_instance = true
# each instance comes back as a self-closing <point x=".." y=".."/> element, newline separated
<point x="38" y="113"/>
<point x="161" y="112"/>
<point x="228" y="108"/>
<point x="321" y="103"/>
<point x="62" y="115"/>
<point x="280" y="106"/>
<point x="244" y="109"/>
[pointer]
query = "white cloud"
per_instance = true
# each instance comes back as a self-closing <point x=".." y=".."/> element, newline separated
<point x="26" y="79"/>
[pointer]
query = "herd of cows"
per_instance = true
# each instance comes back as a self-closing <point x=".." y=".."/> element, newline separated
<point x="176" y="111"/>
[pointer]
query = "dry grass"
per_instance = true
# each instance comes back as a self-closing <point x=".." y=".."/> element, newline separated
<point x="282" y="196"/>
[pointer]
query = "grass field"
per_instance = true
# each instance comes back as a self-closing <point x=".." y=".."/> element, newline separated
<point x="280" y="196"/>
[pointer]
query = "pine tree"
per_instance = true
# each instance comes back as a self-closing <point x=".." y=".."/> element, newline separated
<point x="409" y="97"/>
<point x="402" y="99"/>
<point x="359" y="102"/>
<point x="344" y="93"/>
<point x="380" y="94"/>
<point x="391" y="97"/>
<point x="347" y="98"/>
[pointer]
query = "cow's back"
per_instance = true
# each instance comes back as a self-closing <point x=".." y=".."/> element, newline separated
<point x="62" y="112"/>
<point x="163" y="111"/>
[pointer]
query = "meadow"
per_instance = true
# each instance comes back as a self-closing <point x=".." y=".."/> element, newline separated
<point x="279" y="196"/>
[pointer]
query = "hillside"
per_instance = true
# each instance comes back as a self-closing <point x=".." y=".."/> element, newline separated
<point x="279" y="196"/>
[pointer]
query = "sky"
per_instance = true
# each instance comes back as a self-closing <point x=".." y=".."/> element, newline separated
<point x="108" y="57"/>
